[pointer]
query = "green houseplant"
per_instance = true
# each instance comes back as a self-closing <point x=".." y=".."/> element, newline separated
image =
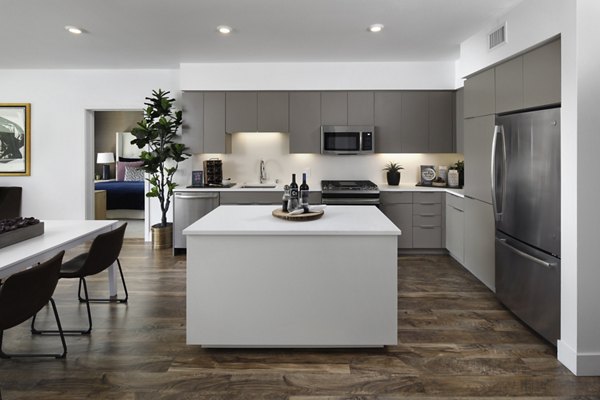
<point x="155" y="133"/>
<point x="393" y="173"/>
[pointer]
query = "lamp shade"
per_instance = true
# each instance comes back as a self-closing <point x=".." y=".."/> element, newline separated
<point x="105" y="158"/>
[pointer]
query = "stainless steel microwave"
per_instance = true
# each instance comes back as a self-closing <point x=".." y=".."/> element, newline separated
<point x="347" y="139"/>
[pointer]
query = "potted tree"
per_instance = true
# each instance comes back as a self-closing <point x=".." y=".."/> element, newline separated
<point x="161" y="156"/>
<point x="393" y="173"/>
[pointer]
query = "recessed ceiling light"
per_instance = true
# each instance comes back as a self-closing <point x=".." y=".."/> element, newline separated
<point x="74" y="30"/>
<point x="224" y="29"/>
<point x="375" y="28"/>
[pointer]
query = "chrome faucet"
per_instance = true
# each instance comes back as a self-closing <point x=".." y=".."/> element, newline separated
<point x="263" y="173"/>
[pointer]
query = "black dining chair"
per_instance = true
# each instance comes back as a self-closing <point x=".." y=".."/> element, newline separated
<point x="25" y="293"/>
<point x="103" y="252"/>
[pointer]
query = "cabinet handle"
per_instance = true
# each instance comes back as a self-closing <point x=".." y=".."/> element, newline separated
<point x="525" y="255"/>
<point x="428" y="204"/>
<point x="426" y="215"/>
<point x="457" y="209"/>
<point x="427" y="226"/>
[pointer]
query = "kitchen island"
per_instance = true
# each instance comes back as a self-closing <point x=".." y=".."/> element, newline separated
<point x="254" y="280"/>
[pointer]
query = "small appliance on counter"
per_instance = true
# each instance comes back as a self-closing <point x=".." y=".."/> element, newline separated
<point x="213" y="172"/>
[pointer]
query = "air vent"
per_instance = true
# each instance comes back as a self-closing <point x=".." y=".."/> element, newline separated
<point x="497" y="37"/>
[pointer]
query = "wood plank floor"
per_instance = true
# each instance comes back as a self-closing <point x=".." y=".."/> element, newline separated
<point x="455" y="341"/>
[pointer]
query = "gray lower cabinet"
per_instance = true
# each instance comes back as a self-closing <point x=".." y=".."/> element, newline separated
<point x="480" y="98"/>
<point x="305" y="122"/>
<point x="334" y="108"/>
<point x="459" y="120"/>
<point x="241" y="112"/>
<point x="541" y="75"/>
<point x="414" y="123"/>
<point x="261" y="197"/>
<point x="361" y="108"/>
<point x="427" y="220"/>
<point x="441" y="122"/>
<point x="388" y="119"/>
<point x="398" y="207"/>
<point x="479" y="256"/>
<point x="215" y="138"/>
<point x="509" y="85"/>
<point x="193" y="123"/>
<point x="273" y="111"/>
<point x="455" y="227"/>
<point x="479" y="133"/>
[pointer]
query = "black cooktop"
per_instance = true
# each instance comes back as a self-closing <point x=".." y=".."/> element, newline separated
<point x="349" y="185"/>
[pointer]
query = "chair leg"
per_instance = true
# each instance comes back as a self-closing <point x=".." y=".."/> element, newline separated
<point x="108" y="300"/>
<point x="68" y="331"/>
<point x="59" y="331"/>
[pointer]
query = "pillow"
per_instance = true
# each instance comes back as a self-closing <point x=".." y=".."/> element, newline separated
<point x="129" y="159"/>
<point x="134" y="174"/>
<point x="121" y="168"/>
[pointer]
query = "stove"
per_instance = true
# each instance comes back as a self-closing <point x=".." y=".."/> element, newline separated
<point x="349" y="192"/>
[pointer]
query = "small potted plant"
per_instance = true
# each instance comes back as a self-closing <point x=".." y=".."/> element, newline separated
<point x="393" y="173"/>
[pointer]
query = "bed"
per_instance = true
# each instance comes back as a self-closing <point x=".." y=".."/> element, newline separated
<point x="125" y="198"/>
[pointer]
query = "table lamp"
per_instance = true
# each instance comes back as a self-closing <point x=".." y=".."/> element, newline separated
<point x="105" y="159"/>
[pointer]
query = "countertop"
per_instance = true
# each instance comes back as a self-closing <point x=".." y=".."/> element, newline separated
<point x="383" y="187"/>
<point x="257" y="220"/>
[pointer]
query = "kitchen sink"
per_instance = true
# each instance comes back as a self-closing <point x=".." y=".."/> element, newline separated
<point x="258" y="186"/>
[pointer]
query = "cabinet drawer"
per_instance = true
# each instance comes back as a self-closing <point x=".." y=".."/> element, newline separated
<point x="427" y="209"/>
<point x="426" y="221"/>
<point x="395" y="197"/>
<point x="427" y="197"/>
<point x="427" y="238"/>
<point x="455" y="201"/>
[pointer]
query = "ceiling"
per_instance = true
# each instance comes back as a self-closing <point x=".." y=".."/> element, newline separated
<point x="165" y="33"/>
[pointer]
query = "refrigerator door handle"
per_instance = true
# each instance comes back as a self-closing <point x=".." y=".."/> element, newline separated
<point x="498" y="206"/>
<point x="525" y="255"/>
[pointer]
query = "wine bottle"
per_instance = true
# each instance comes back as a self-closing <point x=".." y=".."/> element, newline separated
<point x="304" y="193"/>
<point x="293" y="202"/>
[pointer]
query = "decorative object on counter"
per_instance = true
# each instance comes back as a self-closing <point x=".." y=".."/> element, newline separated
<point x="286" y="198"/>
<point x="15" y="230"/>
<point x="438" y="182"/>
<point x="443" y="172"/>
<point x="453" y="179"/>
<point x="157" y="132"/>
<point x="213" y="171"/>
<point x="197" y="178"/>
<point x="460" y="167"/>
<point x="294" y="201"/>
<point x="15" y="142"/>
<point x="427" y="175"/>
<point x="301" y="216"/>
<point x="393" y="173"/>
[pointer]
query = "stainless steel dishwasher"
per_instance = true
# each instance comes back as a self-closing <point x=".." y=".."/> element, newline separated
<point x="189" y="207"/>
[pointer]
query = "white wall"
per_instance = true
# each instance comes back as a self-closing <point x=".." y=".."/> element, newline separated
<point x="531" y="22"/>
<point x="59" y="99"/>
<point x="318" y="76"/>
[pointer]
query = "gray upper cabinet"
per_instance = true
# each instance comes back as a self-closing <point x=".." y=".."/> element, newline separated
<point x="479" y="94"/>
<point x="215" y="139"/>
<point x="541" y="75"/>
<point x="479" y="133"/>
<point x="273" y="111"/>
<point x="241" y="112"/>
<point x="441" y="122"/>
<point x="388" y="116"/>
<point x="193" y="121"/>
<point x="414" y="125"/>
<point x="360" y="108"/>
<point x="509" y="85"/>
<point x="305" y="122"/>
<point x="334" y="108"/>
<point x="459" y="120"/>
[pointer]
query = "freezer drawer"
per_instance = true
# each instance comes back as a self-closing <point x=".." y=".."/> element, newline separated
<point x="528" y="283"/>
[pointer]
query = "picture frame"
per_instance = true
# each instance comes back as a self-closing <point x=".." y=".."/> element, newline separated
<point x="15" y="139"/>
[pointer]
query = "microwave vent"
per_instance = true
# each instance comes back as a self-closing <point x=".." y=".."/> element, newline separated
<point x="497" y="37"/>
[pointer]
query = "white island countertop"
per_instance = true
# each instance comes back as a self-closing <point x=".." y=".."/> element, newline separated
<point x="257" y="220"/>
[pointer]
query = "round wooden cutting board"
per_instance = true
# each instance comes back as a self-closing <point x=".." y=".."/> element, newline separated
<point x="310" y="216"/>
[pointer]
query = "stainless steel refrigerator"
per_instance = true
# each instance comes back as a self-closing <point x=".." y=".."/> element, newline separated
<point x="526" y="202"/>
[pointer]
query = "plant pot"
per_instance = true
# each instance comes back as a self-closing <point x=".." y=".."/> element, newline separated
<point x="162" y="236"/>
<point x="461" y="178"/>
<point x="393" y="178"/>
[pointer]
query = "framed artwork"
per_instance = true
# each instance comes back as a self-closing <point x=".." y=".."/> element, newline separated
<point x="15" y="139"/>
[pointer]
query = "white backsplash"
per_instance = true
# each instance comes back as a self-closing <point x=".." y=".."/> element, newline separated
<point x="242" y="165"/>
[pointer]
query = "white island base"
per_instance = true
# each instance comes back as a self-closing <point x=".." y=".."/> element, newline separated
<point x="257" y="281"/>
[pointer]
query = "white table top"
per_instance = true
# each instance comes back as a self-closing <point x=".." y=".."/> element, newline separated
<point x="257" y="220"/>
<point x="58" y="235"/>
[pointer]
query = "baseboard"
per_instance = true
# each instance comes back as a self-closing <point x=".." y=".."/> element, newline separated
<point x="581" y="364"/>
<point x="420" y="252"/>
